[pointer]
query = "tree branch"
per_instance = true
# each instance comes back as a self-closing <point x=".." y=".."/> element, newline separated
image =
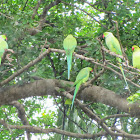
<point x="39" y="58"/>
<point x="34" y="129"/>
<point x="48" y="7"/>
<point x="60" y="51"/>
<point x="115" y="116"/>
<point x="48" y="87"/>
<point x="36" y="8"/>
<point x="21" y="115"/>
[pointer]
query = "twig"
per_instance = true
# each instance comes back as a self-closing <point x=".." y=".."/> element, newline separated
<point x="112" y="53"/>
<point x="96" y="76"/>
<point x="134" y="73"/>
<point x="25" y="5"/>
<point x="115" y="116"/>
<point x="7" y="16"/>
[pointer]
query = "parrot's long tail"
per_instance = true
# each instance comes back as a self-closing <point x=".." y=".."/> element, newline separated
<point x="121" y="68"/>
<point x="75" y="92"/>
<point x="69" y="61"/>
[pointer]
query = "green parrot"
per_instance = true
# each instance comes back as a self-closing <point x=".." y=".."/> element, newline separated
<point x="81" y="78"/>
<point x="69" y="45"/>
<point x="3" y="45"/>
<point x="114" y="46"/>
<point x="136" y="56"/>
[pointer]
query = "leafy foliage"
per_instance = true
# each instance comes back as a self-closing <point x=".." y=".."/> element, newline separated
<point x="32" y="27"/>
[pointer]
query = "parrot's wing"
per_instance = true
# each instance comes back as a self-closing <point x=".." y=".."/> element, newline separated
<point x="136" y="58"/>
<point x="116" y="45"/>
<point x="3" y="45"/>
<point x="113" y="44"/>
<point x="69" y="43"/>
<point x="81" y="76"/>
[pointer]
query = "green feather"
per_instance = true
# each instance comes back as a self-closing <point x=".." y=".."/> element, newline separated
<point x="114" y="46"/>
<point x="3" y="45"/>
<point x="75" y="92"/>
<point x="69" y="45"/>
<point x="69" y="61"/>
<point x="136" y="56"/>
<point x="81" y="78"/>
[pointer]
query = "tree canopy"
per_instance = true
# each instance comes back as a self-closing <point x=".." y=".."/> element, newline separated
<point x="35" y="76"/>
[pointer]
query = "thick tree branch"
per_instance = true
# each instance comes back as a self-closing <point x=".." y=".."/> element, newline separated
<point x="49" y="87"/>
<point x="21" y="111"/>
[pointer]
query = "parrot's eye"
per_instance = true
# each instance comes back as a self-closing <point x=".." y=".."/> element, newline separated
<point x="132" y="48"/>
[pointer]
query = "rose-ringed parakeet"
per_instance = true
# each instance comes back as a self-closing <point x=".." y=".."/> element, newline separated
<point x="69" y="45"/>
<point x="136" y="56"/>
<point x="114" y="46"/>
<point x="81" y="78"/>
<point x="3" y="45"/>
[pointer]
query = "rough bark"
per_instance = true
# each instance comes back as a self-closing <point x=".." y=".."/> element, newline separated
<point x="53" y="87"/>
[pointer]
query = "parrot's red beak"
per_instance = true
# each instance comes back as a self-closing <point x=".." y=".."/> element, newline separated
<point x="132" y="48"/>
<point x="6" y="38"/>
<point x="103" y="36"/>
<point x="92" y="70"/>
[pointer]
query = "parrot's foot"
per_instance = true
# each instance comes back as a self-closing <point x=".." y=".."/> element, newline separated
<point x="85" y="84"/>
<point x="8" y="58"/>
